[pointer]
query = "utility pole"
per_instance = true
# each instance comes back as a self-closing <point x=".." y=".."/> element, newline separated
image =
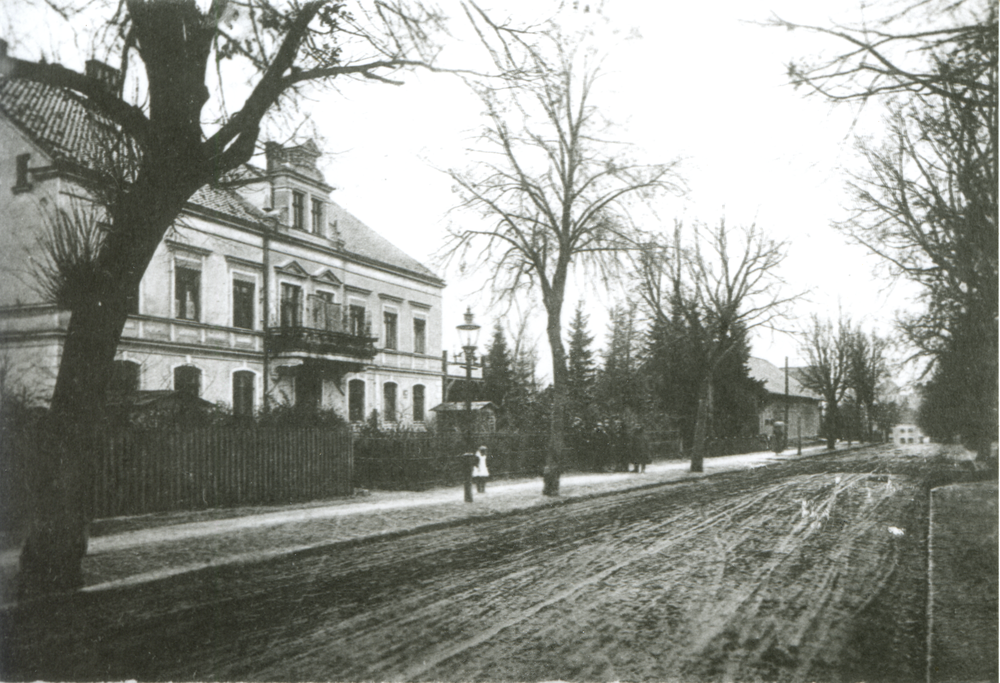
<point x="786" y="392"/>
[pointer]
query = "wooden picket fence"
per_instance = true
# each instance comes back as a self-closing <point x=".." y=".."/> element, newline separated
<point x="155" y="470"/>
<point x="147" y="470"/>
<point x="417" y="461"/>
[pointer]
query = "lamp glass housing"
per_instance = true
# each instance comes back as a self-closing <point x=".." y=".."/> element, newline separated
<point x="469" y="331"/>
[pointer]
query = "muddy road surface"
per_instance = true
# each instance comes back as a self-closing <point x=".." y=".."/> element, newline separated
<point x="813" y="570"/>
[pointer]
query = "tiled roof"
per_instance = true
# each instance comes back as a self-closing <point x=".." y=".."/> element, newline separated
<point x="62" y="124"/>
<point x="226" y="202"/>
<point x="361" y="240"/>
<point x="774" y="378"/>
<point x="55" y="118"/>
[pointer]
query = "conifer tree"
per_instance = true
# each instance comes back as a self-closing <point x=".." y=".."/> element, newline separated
<point x="498" y="374"/>
<point x="581" y="374"/>
<point x="620" y="388"/>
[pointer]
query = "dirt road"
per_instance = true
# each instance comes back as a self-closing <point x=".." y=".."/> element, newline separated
<point x="809" y="571"/>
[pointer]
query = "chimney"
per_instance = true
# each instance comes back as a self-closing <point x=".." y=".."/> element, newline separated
<point x="7" y="63"/>
<point x="106" y="75"/>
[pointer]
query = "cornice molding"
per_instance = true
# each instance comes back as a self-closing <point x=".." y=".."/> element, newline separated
<point x="174" y="245"/>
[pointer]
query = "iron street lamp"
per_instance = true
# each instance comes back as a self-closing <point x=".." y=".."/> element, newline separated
<point x="469" y="334"/>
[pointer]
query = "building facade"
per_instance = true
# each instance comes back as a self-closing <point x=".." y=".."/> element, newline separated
<point x="904" y="434"/>
<point x="801" y="405"/>
<point x="264" y="291"/>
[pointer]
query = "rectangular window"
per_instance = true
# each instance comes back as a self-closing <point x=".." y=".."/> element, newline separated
<point x="187" y="297"/>
<point x="298" y="211"/>
<point x="389" y="324"/>
<point x="291" y="305"/>
<point x="419" y="335"/>
<point x="325" y="313"/>
<point x="243" y="304"/>
<point x="357" y="320"/>
<point x="317" y="217"/>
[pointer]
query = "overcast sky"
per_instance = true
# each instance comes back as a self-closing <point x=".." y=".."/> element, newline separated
<point x="700" y="81"/>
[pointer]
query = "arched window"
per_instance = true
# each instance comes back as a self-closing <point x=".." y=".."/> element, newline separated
<point x="389" y="401"/>
<point x="124" y="378"/>
<point x="187" y="380"/>
<point x="356" y="400"/>
<point x="418" y="402"/>
<point x="243" y="381"/>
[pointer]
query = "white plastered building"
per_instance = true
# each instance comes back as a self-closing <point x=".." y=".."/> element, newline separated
<point x="267" y="285"/>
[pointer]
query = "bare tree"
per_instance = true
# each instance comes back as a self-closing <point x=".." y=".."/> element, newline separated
<point x="62" y="262"/>
<point x="827" y="372"/>
<point x="867" y="368"/>
<point x="552" y="195"/>
<point x="927" y="203"/>
<point x="890" y="56"/>
<point x="184" y="133"/>
<point x="724" y="290"/>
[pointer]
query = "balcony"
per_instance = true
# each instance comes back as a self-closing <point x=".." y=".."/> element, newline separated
<point x="309" y="342"/>
<point x="333" y="333"/>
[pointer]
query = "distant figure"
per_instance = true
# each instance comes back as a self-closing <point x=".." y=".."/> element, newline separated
<point x="480" y="472"/>
<point x="780" y="439"/>
<point x="640" y="450"/>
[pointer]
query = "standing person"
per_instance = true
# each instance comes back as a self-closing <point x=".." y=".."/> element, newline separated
<point x="640" y="446"/>
<point x="480" y="472"/>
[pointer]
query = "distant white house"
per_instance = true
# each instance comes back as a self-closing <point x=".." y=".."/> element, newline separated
<point x="907" y="434"/>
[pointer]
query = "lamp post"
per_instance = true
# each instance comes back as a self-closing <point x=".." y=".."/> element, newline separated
<point x="469" y="334"/>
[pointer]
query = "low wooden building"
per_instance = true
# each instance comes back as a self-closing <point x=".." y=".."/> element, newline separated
<point x="803" y="407"/>
<point x="453" y="416"/>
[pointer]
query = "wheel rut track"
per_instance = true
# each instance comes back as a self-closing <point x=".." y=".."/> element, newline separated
<point x="429" y="605"/>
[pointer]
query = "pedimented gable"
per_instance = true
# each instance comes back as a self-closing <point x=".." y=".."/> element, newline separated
<point x="292" y="269"/>
<point x="328" y="277"/>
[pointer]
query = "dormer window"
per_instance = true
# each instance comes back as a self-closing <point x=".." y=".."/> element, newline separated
<point x="317" y="217"/>
<point x="298" y="210"/>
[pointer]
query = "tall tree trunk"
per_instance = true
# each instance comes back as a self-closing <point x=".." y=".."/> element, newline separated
<point x="69" y="440"/>
<point x="831" y="426"/>
<point x="67" y="445"/>
<point x="869" y="423"/>
<point x="554" y="455"/>
<point x="702" y="419"/>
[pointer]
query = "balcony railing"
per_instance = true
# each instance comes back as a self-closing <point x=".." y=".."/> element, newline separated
<point x="319" y="343"/>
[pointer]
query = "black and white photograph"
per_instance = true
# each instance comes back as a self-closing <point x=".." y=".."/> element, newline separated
<point x="532" y="341"/>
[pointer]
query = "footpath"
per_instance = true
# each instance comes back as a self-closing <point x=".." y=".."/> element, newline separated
<point x="962" y="583"/>
<point x="962" y="544"/>
<point x="132" y="550"/>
